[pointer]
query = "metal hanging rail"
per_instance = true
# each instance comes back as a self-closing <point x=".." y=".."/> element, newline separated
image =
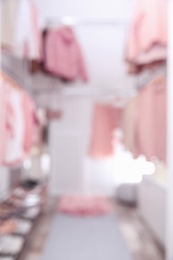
<point x="88" y="91"/>
<point x="75" y="21"/>
<point x="145" y="78"/>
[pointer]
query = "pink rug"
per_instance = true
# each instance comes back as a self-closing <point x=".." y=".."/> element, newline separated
<point x="85" y="205"/>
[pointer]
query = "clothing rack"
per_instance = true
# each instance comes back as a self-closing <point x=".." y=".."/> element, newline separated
<point x="150" y="75"/>
<point x="88" y="91"/>
<point x="69" y="91"/>
<point x="13" y="83"/>
<point x="75" y="21"/>
<point x="16" y="80"/>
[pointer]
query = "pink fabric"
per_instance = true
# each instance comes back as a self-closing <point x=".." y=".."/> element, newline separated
<point x="161" y="122"/>
<point x="63" y="55"/>
<point x="28" y="109"/>
<point x="156" y="53"/>
<point x="146" y="123"/>
<point x="85" y="205"/>
<point x="36" y="31"/>
<point x="15" y="152"/>
<point x="151" y="122"/>
<point x="148" y="27"/>
<point x="16" y="122"/>
<point x="105" y="119"/>
<point x="129" y="124"/>
<point x="3" y="117"/>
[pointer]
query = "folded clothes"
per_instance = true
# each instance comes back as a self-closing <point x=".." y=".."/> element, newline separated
<point x="8" y="209"/>
<point x="31" y="213"/>
<point x="85" y="205"/>
<point x="6" y="258"/>
<point x="22" y="227"/>
<point x="7" y="227"/>
<point x="11" y="245"/>
<point x="28" y="199"/>
<point x="29" y="184"/>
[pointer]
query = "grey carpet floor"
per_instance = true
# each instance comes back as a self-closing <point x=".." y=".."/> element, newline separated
<point x="75" y="238"/>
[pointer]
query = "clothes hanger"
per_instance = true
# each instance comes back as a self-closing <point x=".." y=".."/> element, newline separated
<point x="11" y="81"/>
<point x="150" y="76"/>
<point x="159" y="80"/>
<point x="118" y="102"/>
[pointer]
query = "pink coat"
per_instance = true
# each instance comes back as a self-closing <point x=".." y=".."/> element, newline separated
<point x="63" y="56"/>
<point x="149" y="27"/>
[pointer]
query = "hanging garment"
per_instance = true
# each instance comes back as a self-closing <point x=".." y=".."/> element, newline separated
<point x="27" y="31"/>
<point x="17" y="122"/>
<point x="37" y="32"/>
<point x="147" y="40"/>
<point x="15" y="151"/>
<point x="140" y="68"/>
<point x="9" y="14"/>
<point x="129" y="125"/>
<point x="161" y="121"/>
<point x="63" y="56"/>
<point x="31" y="125"/>
<point x="21" y="32"/>
<point x="4" y="110"/>
<point x="156" y="53"/>
<point x="161" y="172"/>
<point x="145" y="137"/>
<point x="151" y="121"/>
<point x="105" y="119"/>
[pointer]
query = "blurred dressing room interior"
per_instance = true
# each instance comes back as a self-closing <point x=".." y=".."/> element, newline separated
<point x="86" y="130"/>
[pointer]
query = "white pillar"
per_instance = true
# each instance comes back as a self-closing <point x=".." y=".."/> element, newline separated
<point x="169" y="222"/>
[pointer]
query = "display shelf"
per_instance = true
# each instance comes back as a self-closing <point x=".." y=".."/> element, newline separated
<point x="26" y="221"/>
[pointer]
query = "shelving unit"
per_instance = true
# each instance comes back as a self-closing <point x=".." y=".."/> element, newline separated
<point x="30" y="215"/>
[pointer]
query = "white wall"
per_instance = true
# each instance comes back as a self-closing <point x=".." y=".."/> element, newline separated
<point x="85" y="8"/>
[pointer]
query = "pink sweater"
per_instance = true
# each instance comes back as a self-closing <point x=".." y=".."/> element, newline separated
<point x="149" y="26"/>
<point x="63" y="56"/>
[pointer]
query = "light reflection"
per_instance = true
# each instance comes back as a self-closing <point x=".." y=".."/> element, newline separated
<point x="130" y="170"/>
<point x="27" y="164"/>
<point x="45" y="162"/>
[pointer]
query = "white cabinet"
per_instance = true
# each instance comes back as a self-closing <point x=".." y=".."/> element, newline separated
<point x="152" y="206"/>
